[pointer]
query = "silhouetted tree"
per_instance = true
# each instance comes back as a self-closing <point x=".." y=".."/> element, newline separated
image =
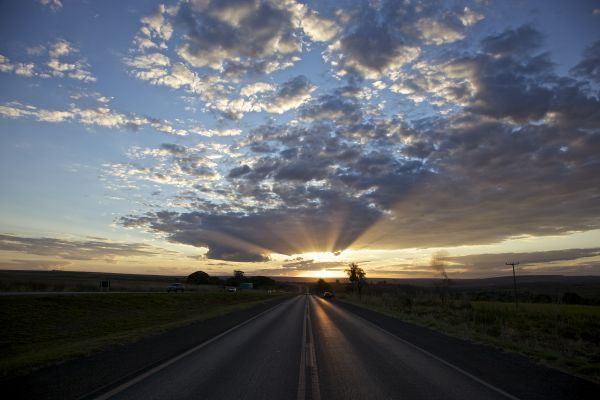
<point x="237" y="278"/>
<point x="262" y="281"/>
<point x="357" y="276"/>
<point x="322" y="286"/>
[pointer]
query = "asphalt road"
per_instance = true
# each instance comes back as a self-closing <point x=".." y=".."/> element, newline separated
<point x="306" y="348"/>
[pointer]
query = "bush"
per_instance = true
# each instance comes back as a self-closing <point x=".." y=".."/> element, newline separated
<point x="571" y="298"/>
<point x="199" y="278"/>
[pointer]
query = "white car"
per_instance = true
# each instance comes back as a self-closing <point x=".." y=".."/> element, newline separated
<point x="175" y="287"/>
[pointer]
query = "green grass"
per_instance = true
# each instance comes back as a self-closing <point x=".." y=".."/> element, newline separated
<point x="43" y="329"/>
<point x="562" y="336"/>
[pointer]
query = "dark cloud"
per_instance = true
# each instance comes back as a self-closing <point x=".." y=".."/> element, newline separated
<point x="173" y="149"/>
<point x="332" y="108"/>
<point x="517" y="42"/>
<point x="239" y="171"/>
<point x="290" y="95"/>
<point x="589" y="67"/>
<point x="382" y="37"/>
<point x="238" y="36"/>
<point x="491" y="261"/>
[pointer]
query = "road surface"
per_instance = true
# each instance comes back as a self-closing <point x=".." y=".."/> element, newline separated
<point x="306" y="348"/>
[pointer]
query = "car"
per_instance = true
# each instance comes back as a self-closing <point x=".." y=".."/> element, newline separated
<point x="175" y="287"/>
<point x="231" y="289"/>
<point x="328" y="295"/>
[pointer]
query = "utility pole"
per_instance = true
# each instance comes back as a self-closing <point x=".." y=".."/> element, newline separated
<point x="514" y="281"/>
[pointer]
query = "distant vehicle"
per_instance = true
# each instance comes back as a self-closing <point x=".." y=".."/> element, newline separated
<point x="231" y="289"/>
<point x="328" y="295"/>
<point x="176" y="287"/>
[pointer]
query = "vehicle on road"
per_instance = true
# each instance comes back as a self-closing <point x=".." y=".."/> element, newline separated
<point x="176" y="287"/>
<point x="231" y="289"/>
<point x="328" y="295"/>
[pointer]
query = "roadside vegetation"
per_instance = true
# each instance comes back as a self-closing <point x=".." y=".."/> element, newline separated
<point x="564" y="336"/>
<point x="37" y="330"/>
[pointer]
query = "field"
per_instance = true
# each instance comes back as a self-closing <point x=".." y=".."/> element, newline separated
<point x="36" y="330"/>
<point x="563" y="336"/>
<point x="65" y="281"/>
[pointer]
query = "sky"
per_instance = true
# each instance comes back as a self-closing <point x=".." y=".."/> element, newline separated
<point x="292" y="138"/>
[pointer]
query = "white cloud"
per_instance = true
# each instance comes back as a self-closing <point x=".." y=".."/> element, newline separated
<point x="216" y="132"/>
<point x="75" y="68"/>
<point x="99" y="116"/>
<point x="5" y="64"/>
<point x="54" y="5"/>
<point x="148" y="61"/>
<point x="470" y="17"/>
<point x="437" y="32"/>
<point x="61" y="48"/>
<point x="318" y="28"/>
<point x="255" y="88"/>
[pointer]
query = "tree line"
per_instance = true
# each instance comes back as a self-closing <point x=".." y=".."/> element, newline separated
<point x="238" y="277"/>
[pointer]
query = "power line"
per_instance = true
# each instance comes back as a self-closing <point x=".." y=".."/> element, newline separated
<point x="513" y="263"/>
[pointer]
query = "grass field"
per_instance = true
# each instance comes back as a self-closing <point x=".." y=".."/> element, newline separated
<point x="41" y="329"/>
<point x="563" y="336"/>
<point x="68" y="281"/>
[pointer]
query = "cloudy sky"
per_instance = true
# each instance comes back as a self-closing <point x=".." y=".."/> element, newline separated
<point x="290" y="138"/>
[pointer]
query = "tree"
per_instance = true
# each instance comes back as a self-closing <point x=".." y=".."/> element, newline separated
<point x="262" y="281"/>
<point x="237" y="278"/>
<point x="322" y="286"/>
<point x="199" y="278"/>
<point x="357" y="276"/>
<point x="239" y="275"/>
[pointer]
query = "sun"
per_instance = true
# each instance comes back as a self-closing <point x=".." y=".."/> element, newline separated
<point x="325" y="274"/>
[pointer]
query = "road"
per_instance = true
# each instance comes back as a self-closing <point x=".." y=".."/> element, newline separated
<point x="306" y="348"/>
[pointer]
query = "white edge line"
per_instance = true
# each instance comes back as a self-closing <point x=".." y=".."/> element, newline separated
<point x="447" y="363"/>
<point x="162" y="366"/>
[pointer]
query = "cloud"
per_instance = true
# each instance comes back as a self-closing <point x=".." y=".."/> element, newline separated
<point x="66" y="249"/>
<point x="290" y="95"/>
<point x="61" y="48"/>
<point x="381" y="39"/>
<point x="22" y="69"/>
<point x="99" y="116"/>
<point x="54" y="5"/>
<point x="55" y="66"/>
<point x="589" y="67"/>
<point x="514" y="158"/>
<point x="373" y="51"/>
<point x="437" y="32"/>
<point x="513" y="42"/>
<point x="318" y="28"/>
<point x="570" y="261"/>
<point x="255" y="88"/>
<point x="247" y="35"/>
<point x="218" y="44"/>
<point x="311" y="265"/>
<point x="43" y="265"/>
